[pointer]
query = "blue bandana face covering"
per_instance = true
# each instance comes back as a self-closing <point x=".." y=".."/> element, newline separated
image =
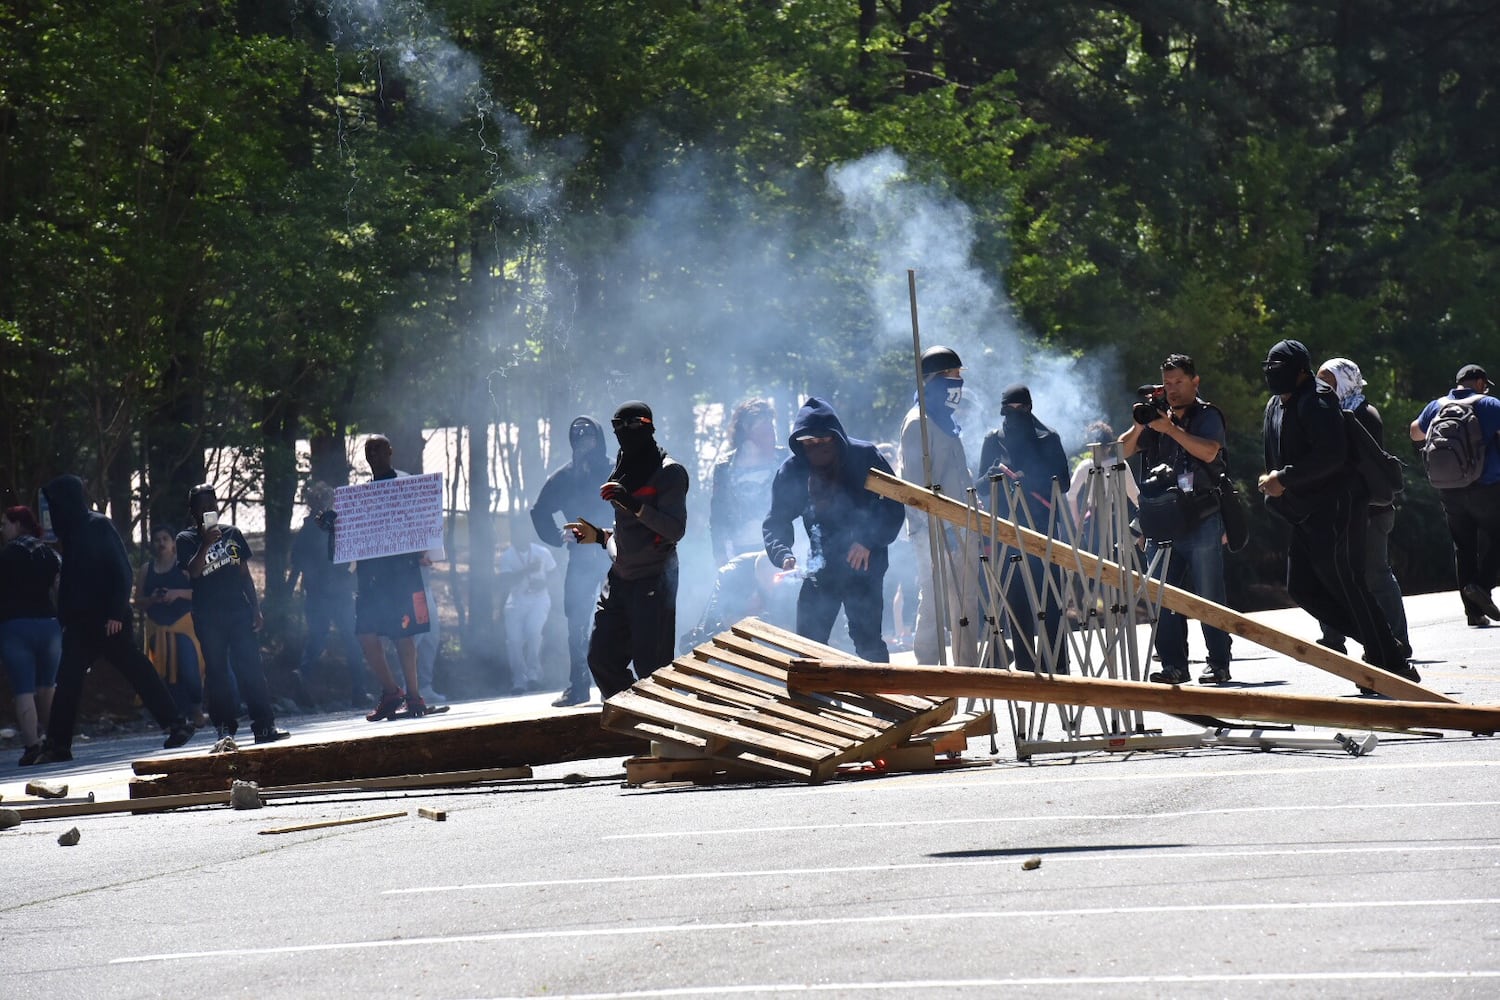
<point x="942" y="398"/>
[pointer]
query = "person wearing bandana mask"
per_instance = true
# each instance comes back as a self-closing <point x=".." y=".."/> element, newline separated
<point x="942" y="389"/>
<point x="573" y="492"/>
<point x="1310" y="482"/>
<point x="1189" y="438"/>
<point x="848" y="528"/>
<point x="1029" y="455"/>
<point x="635" y="619"/>
<point x="1349" y="386"/>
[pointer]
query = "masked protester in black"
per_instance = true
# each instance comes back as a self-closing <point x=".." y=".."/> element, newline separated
<point x="93" y="605"/>
<point x="635" y="621"/>
<point x="1027" y="454"/>
<point x="848" y="528"/>
<point x="573" y="491"/>
<point x="1311" y="483"/>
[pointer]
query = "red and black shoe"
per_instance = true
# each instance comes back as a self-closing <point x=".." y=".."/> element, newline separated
<point x="415" y="707"/>
<point x="388" y="707"/>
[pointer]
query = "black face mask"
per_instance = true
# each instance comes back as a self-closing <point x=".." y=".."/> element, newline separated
<point x="634" y="440"/>
<point x="1281" y="376"/>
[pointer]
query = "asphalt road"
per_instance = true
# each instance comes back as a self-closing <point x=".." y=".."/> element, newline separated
<point x="1184" y="872"/>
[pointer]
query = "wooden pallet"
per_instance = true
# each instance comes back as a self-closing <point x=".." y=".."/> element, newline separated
<point x="727" y="702"/>
<point x="939" y="748"/>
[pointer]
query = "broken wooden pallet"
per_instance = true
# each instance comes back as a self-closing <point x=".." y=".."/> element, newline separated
<point x="727" y="701"/>
<point x="549" y="739"/>
<point x="926" y="751"/>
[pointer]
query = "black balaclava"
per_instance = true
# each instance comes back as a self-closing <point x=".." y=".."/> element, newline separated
<point x="1284" y="366"/>
<point x="591" y="461"/>
<point x="640" y="456"/>
<point x="1016" y="420"/>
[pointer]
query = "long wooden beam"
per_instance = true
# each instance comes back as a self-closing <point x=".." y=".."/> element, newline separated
<point x="1191" y="605"/>
<point x="1018" y="685"/>
<point x="390" y="750"/>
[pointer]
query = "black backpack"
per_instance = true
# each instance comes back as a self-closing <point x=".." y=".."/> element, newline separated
<point x="1453" y="452"/>
<point x="1381" y="471"/>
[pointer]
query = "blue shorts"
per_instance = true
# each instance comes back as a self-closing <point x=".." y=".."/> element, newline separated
<point x="31" y="649"/>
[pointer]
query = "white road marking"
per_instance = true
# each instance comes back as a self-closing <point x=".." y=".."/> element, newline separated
<point x="1046" y="818"/>
<point x="1009" y="859"/>
<point x="632" y="930"/>
<point x="918" y="987"/>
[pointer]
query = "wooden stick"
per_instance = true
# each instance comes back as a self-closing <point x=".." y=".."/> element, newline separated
<point x="333" y="822"/>
<point x="1015" y="685"/>
<point x="162" y="803"/>
<point x="1191" y="605"/>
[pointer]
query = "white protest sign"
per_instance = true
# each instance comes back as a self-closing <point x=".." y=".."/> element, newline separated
<point x="388" y="517"/>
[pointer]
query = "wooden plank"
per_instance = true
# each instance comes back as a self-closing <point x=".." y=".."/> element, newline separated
<point x="941" y="710"/>
<point x="391" y="749"/>
<point x="974" y="682"/>
<point x="815" y="712"/>
<point x="667" y="694"/>
<point x="640" y="770"/>
<point x="805" y="648"/>
<point x="795" y="719"/>
<point x="856" y="710"/>
<point x="1175" y="598"/>
<point x="711" y="727"/>
<point x="773" y="665"/>
<point x="324" y="824"/>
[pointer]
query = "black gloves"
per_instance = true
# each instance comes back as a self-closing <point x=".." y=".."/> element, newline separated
<point x="620" y="497"/>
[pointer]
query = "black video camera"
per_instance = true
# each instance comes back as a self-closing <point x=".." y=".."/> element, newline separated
<point x="1152" y="404"/>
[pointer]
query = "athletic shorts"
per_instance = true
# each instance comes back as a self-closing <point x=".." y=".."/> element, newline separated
<point x="392" y="601"/>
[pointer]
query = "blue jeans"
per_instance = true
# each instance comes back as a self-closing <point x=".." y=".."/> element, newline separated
<point x="1197" y="566"/>
<point x="333" y="610"/>
<point x="30" y="649"/>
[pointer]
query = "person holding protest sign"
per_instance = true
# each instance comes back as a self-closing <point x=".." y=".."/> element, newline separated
<point x="635" y="620"/>
<point x="391" y="603"/>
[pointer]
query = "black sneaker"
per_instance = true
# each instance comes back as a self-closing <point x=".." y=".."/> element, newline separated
<point x="1214" y="674"/>
<point x="1337" y="647"/>
<point x="390" y="703"/>
<point x="1170" y="677"/>
<point x="569" y="698"/>
<point x="181" y="731"/>
<point x="269" y="734"/>
<point x="54" y="755"/>
<point x="1478" y="621"/>
<point x="29" y="755"/>
<point x="1409" y="672"/>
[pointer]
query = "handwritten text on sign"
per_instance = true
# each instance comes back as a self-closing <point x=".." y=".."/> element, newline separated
<point x="388" y="517"/>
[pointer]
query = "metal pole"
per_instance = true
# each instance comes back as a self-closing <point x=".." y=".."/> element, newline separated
<point x="935" y="547"/>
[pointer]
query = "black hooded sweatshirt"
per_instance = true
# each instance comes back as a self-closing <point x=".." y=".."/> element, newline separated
<point x="855" y="515"/>
<point x="573" y="491"/>
<point x="96" y="578"/>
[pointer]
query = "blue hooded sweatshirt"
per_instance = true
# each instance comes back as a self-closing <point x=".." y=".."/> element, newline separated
<point x="851" y="514"/>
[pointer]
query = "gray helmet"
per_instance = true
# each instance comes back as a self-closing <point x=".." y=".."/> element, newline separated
<point x="939" y="359"/>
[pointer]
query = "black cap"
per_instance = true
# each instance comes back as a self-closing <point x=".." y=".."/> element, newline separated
<point x="1290" y="352"/>
<point x="939" y="359"/>
<point x="1016" y="393"/>
<point x="1470" y="372"/>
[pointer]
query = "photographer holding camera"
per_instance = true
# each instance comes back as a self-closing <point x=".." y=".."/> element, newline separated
<point x="1181" y="441"/>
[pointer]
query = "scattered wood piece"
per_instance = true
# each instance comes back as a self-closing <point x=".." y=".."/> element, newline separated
<point x="392" y="752"/>
<point x="1191" y="605"/>
<point x="350" y="821"/>
<point x="69" y="839"/>
<point x="9" y="818"/>
<point x="1260" y="706"/>
<point x="46" y="790"/>
<point x="437" y="815"/>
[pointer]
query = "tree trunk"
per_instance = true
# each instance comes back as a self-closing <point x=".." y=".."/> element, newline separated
<point x="279" y="431"/>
